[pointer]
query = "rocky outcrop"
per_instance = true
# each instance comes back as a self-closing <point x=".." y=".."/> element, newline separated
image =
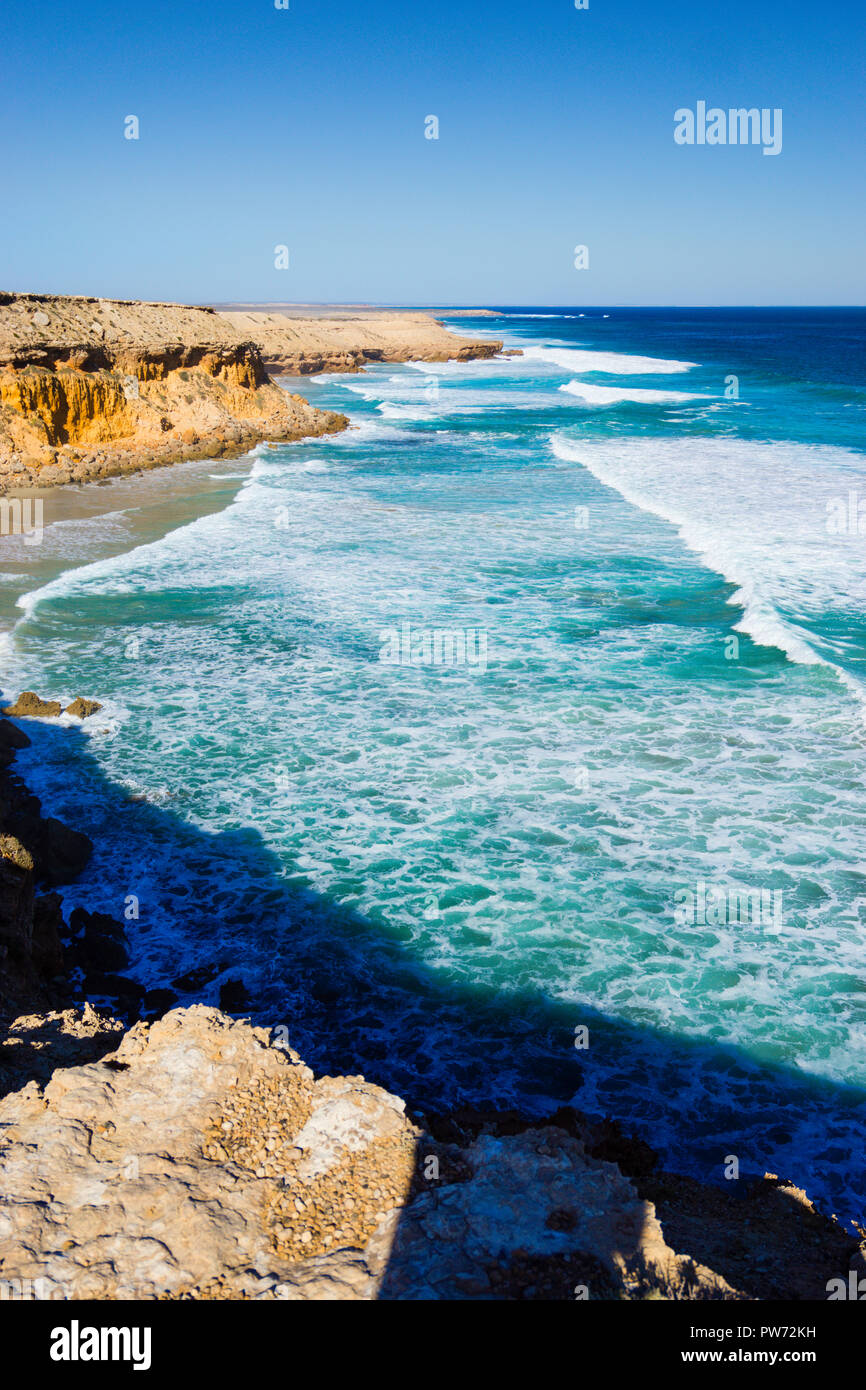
<point x="35" y="1045"/>
<point x="46" y="962"/>
<point x="36" y="853"/>
<point x="81" y="708"/>
<point x="90" y="388"/>
<point x="29" y="705"/>
<point x="31" y="954"/>
<point x="299" y="345"/>
<point x="202" y="1159"/>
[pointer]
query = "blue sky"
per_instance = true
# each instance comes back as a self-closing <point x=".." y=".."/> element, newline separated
<point x="305" y="127"/>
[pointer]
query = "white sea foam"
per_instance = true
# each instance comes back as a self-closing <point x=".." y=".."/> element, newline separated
<point x="614" y="395"/>
<point x="135" y="569"/>
<point x="73" y="537"/>
<point x="403" y="410"/>
<point x="756" y="513"/>
<point x="616" y="363"/>
<point x="404" y="398"/>
<point x="464" y="371"/>
<point x="364" y="431"/>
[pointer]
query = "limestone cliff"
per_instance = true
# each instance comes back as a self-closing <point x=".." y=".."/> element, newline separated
<point x="301" y="345"/>
<point x="94" y="387"/>
<point x="91" y="388"/>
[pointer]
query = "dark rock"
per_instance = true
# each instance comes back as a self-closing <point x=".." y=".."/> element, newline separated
<point x="158" y="1002"/>
<point x="16" y="898"/>
<point x="97" y="923"/>
<point x="195" y="980"/>
<point x="325" y="992"/>
<point x="11" y="736"/>
<point x="632" y="1156"/>
<point x="98" y="941"/>
<point x="102" y="944"/>
<point x="97" y="953"/>
<point x="47" y="951"/>
<point x="11" y="739"/>
<point x="61" y="854"/>
<point x="233" y="996"/>
<point x="114" y="987"/>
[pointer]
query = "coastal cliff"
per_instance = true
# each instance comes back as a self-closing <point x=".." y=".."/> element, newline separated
<point x="302" y="346"/>
<point x="90" y="388"/>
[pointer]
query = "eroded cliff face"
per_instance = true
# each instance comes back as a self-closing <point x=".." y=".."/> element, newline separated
<point x="36" y="854"/>
<point x="92" y="388"/>
<point x="347" y="341"/>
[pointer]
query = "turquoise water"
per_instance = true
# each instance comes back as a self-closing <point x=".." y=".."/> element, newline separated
<point x="435" y="872"/>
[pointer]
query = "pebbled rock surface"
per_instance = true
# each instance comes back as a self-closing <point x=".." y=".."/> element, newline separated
<point x="202" y="1160"/>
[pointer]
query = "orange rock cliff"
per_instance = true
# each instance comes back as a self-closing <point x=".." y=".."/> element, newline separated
<point x="94" y="387"/>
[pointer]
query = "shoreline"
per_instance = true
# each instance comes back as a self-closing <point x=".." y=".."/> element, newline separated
<point x="91" y="389"/>
<point x="108" y="517"/>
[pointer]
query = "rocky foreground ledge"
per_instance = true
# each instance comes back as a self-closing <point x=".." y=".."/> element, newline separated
<point x="202" y="1159"/>
<point x="186" y="1154"/>
<point x="90" y="388"/>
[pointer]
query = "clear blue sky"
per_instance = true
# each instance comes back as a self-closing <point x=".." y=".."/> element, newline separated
<point x="305" y="127"/>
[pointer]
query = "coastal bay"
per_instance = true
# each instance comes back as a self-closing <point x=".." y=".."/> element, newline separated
<point x="462" y="878"/>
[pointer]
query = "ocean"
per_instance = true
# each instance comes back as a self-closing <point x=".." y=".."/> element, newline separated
<point x="510" y="746"/>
